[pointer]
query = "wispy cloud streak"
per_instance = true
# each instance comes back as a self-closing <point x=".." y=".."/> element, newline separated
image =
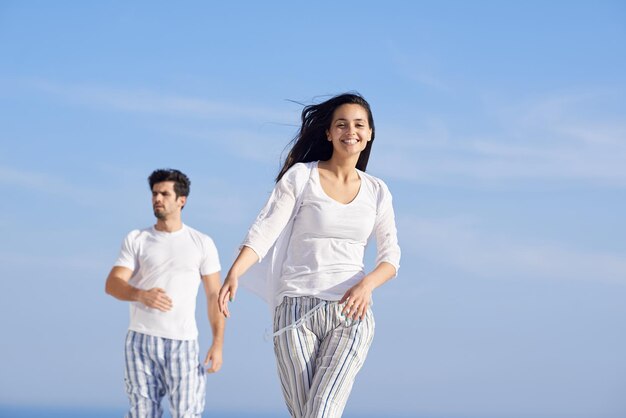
<point x="553" y="140"/>
<point x="460" y="243"/>
<point x="148" y="101"/>
<point x="12" y="260"/>
<point x="45" y="183"/>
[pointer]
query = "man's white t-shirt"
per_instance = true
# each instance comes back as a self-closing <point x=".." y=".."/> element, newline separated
<point x="174" y="262"/>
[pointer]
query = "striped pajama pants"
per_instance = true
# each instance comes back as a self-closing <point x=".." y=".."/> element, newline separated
<point x="156" y="366"/>
<point x="318" y="360"/>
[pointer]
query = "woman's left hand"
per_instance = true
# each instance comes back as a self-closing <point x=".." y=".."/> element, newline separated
<point x="357" y="299"/>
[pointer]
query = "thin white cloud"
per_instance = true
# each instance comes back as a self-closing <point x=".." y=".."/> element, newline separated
<point x="147" y="101"/>
<point x="82" y="263"/>
<point x="551" y="139"/>
<point x="46" y="183"/>
<point x="459" y="242"/>
<point x="246" y="144"/>
<point x="595" y="134"/>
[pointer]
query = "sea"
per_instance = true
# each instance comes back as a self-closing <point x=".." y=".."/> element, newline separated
<point x="40" y="412"/>
<point x="56" y="412"/>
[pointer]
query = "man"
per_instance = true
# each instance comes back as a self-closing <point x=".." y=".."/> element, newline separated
<point x="158" y="271"/>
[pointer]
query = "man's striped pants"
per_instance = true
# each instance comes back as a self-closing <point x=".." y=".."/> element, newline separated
<point x="156" y="366"/>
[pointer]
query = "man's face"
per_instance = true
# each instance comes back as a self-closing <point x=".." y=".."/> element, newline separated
<point x="164" y="200"/>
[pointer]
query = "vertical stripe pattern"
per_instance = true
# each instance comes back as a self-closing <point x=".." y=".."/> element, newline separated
<point x="318" y="361"/>
<point x="158" y="366"/>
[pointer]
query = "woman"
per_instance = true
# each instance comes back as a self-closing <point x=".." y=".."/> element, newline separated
<point x="313" y="230"/>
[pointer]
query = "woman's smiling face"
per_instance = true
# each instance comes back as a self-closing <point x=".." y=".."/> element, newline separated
<point x="349" y="130"/>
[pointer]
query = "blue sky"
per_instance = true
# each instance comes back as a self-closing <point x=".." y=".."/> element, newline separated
<point x="501" y="132"/>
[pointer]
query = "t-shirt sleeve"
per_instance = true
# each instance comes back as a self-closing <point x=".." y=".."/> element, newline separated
<point x="128" y="253"/>
<point x="210" y="260"/>
<point x="387" y="248"/>
<point x="275" y="214"/>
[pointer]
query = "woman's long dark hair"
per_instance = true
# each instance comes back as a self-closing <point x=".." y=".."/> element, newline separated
<point x="311" y="142"/>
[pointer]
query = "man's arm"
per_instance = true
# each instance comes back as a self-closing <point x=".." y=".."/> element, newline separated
<point x="212" y="286"/>
<point x="117" y="286"/>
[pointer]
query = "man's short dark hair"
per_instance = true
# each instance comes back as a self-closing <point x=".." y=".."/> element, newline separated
<point x="181" y="181"/>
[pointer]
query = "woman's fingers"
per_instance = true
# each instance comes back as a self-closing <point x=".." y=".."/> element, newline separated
<point x="233" y="291"/>
<point x="227" y="294"/>
<point x="363" y="311"/>
<point x="355" y="308"/>
<point x="223" y="298"/>
<point x="220" y="299"/>
<point x="360" y="309"/>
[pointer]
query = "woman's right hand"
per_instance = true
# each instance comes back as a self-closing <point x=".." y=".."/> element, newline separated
<point x="246" y="258"/>
<point x="227" y="293"/>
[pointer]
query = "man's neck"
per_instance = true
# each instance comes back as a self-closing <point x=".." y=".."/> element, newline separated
<point x="168" y="225"/>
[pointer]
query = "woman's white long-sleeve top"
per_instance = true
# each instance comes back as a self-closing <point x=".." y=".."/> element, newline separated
<point x="313" y="245"/>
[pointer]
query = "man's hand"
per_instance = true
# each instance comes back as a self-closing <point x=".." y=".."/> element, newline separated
<point x="214" y="358"/>
<point x="155" y="298"/>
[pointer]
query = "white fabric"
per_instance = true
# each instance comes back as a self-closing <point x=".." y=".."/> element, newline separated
<point x="262" y="277"/>
<point x="320" y="241"/>
<point x="174" y="262"/>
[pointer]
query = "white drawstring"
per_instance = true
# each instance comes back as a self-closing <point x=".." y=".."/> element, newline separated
<point x="296" y="324"/>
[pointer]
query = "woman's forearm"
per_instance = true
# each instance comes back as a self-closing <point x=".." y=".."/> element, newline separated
<point x="246" y="258"/>
<point x="380" y="275"/>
